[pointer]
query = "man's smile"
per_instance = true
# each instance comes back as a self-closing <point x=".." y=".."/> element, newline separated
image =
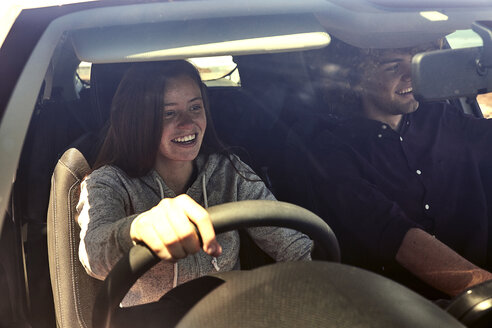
<point x="404" y="92"/>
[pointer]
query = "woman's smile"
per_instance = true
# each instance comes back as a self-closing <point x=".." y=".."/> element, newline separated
<point x="186" y="140"/>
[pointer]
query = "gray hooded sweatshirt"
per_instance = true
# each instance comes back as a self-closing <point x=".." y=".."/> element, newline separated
<point x="110" y="200"/>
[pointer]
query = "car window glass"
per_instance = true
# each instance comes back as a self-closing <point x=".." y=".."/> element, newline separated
<point x="84" y="72"/>
<point x="215" y="71"/>
<point x="485" y="103"/>
<point x="464" y="39"/>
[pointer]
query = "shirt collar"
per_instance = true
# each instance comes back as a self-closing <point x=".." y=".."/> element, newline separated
<point x="363" y="127"/>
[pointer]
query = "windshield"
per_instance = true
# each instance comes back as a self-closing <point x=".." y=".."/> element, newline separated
<point x="314" y="103"/>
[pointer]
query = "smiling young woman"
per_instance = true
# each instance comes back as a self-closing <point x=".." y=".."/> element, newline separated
<point x="160" y="166"/>
<point x="139" y="113"/>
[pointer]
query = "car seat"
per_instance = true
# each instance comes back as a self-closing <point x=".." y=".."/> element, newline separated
<point x="277" y="94"/>
<point x="55" y="124"/>
<point x="74" y="290"/>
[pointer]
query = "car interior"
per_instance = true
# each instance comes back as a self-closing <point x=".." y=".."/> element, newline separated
<point x="260" y="129"/>
<point x="255" y="119"/>
<point x="69" y="119"/>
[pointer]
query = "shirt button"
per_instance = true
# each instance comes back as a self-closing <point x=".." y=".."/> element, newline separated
<point x="408" y="122"/>
<point x="426" y="206"/>
<point x="401" y="138"/>
<point x="380" y="135"/>
<point x="384" y="126"/>
<point x="419" y="172"/>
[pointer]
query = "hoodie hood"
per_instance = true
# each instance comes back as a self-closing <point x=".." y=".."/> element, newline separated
<point x="206" y="166"/>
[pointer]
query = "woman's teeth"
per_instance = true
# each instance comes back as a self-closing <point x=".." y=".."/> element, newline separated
<point x="184" y="139"/>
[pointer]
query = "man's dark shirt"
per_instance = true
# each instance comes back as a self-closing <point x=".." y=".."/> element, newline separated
<point x="434" y="173"/>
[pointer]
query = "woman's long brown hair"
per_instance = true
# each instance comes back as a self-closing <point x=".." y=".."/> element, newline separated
<point x="135" y="126"/>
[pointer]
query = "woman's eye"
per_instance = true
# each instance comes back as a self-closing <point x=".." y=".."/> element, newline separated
<point x="168" y="113"/>
<point x="196" y="108"/>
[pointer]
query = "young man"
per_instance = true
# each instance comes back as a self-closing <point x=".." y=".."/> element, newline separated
<point x="405" y="186"/>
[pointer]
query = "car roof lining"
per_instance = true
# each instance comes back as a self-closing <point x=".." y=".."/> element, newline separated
<point x="356" y="27"/>
<point x="396" y="29"/>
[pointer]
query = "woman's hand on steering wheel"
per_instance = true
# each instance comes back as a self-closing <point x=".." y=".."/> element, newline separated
<point x="168" y="229"/>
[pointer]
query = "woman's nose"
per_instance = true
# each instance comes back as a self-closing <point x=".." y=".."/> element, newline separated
<point x="184" y="120"/>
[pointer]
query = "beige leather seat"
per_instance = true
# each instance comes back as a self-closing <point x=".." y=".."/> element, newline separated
<point x="74" y="291"/>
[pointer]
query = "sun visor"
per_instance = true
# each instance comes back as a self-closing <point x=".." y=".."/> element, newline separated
<point x="199" y="38"/>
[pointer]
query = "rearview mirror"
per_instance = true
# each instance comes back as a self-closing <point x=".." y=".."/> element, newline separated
<point x="445" y="74"/>
<point x="452" y="73"/>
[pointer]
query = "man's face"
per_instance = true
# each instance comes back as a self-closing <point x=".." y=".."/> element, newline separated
<point x="386" y="85"/>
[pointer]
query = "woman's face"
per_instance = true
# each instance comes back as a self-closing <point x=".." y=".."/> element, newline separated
<point x="184" y="120"/>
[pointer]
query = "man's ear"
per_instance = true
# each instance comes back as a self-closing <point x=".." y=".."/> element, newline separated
<point x="354" y="81"/>
<point x="357" y="87"/>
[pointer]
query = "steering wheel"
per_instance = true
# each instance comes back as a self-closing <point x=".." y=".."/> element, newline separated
<point x="473" y="307"/>
<point x="224" y="217"/>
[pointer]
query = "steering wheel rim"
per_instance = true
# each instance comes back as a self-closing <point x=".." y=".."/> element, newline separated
<point x="473" y="307"/>
<point x="224" y="217"/>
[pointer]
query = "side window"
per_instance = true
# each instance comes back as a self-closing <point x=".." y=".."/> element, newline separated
<point x="485" y="103"/>
<point x="82" y="77"/>
<point x="218" y="71"/>
<point x="464" y="39"/>
<point x="84" y="72"/>
<point x="215" y="71"/>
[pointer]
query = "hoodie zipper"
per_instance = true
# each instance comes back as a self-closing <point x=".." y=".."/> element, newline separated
<point x="175" y="266"/>
<point x="215" y="262"/>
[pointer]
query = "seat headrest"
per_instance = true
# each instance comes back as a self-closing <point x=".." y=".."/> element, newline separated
<point x="105" y="79"/>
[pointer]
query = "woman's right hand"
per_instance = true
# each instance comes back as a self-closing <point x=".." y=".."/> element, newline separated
<point x="168" y="230"/>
